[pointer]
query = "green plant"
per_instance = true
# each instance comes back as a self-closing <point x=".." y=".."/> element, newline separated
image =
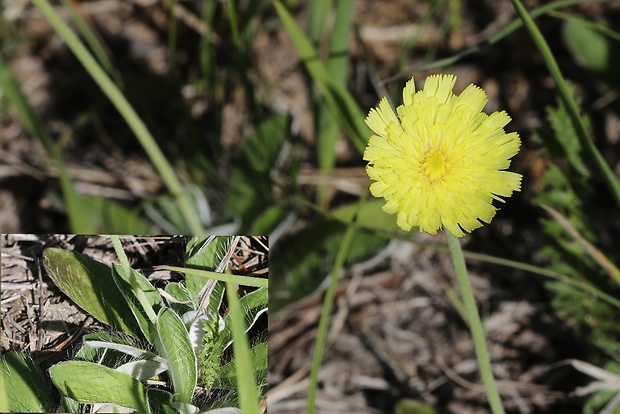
<point x="153" y="359"/>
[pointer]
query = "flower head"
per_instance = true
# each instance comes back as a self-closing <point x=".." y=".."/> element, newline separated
<point x="441" y="162"/>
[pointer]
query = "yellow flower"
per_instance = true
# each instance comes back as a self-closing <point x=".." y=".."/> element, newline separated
<point x="441" y="162"/>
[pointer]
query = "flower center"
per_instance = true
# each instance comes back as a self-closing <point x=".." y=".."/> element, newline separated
<point x="435" y="166"/>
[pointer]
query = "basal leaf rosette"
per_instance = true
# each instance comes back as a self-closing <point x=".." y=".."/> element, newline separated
<point x="442" y="161"/>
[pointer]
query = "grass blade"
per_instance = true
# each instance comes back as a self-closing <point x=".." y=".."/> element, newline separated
<point x="127" y="112"/>
<point x="338" y="99"/>
<point x="241" y="280"/>
<point x="327" y="127"/>
<point x="607" y="265"/>
<point x="318" y="11"/>
<point x="79" y="220"/>
<point x="248" y="399"/>
<point x="326" y="310"/>
<point x="139" y="284"/>
<point x="90" y="34"/>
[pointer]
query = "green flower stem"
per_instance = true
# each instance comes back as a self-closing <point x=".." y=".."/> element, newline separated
<point x="475" y="324"/>
<point x="126" y="110"/>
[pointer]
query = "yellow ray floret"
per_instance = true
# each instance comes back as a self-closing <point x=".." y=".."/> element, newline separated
<point x="439" y="161"/>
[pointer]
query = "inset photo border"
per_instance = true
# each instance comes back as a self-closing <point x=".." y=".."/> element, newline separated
<point x="98" y="323"/>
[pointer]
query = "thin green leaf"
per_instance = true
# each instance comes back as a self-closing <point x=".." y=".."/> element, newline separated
<point x="248" y="399"/>
<point x="318" y="11"/>
<point x="141" y="288"/>
<point x="126" y="349"/>
<point x="338" y="99"/>
<point x="338" y="60"/>
<point x="234" y="25"/>
<point x="326" y="310"/>
<point x="92" y="354"/>
<point x="90" y="34"/>
<point x="240" y="280"/>
<point x="253" y="305"/>
<point x="328" y="133"/>
<point x="407" y="406"/>
<point x="105" y="350"/>
<point x="208" y="62"/>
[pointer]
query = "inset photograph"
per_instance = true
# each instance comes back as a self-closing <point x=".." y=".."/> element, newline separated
<point x="149" y="324"/>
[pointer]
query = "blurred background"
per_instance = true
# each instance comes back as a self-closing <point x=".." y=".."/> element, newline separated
<point x="259" y="114"/>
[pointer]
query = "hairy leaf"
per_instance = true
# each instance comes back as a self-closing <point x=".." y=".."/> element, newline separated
<point x="91" y="286"/>
<point x="25" y="384"/>
<point x="89" y="382"/>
